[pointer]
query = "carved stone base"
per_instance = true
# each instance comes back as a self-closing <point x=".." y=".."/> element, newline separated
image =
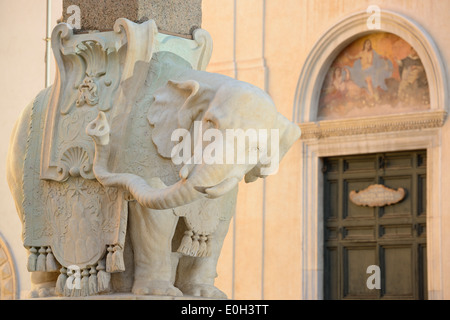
<point x="125" y="296"/>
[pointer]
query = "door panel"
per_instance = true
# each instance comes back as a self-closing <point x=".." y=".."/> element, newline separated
<point x="397" y="266"/>
<point x="392" y="237"/>
<point x="422" y="185"/>
<point x="332" y="273"/>
<point x="331" y="210"/>
<point x="356" y="260"/>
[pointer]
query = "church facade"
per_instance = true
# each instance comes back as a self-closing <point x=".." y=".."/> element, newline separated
<point x="367" y="83"/>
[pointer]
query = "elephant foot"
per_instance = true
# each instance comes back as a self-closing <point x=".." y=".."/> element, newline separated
<point x="43" y="284"/>
<point x="202" y="290"/>
<point x="156" y="287"/>
<point x="42" y="292"/>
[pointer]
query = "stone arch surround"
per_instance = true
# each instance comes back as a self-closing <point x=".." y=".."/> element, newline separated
<point x="348" y="30"/>
<point x="412" y="131"/>
<point x="8" y="279"/>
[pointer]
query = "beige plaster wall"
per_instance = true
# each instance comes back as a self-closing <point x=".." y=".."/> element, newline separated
<point x="264" y="250"/>
<point x="22" y="61"/>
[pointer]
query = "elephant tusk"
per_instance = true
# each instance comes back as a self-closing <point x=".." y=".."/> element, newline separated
<point x="222" y="188"/>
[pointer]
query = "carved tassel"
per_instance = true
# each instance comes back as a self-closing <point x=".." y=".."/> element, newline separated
<point x="93" y="286"/>
<point x="202" y="249"/>
<point x="117" y="263"/>
<point x="103" y="281"/>
<point x="61" y="282"/>
<point x="109" y="259"/>
<point x="76" y="290"/>
<point x="73" y="283"/>
<point x="85" y="283"/>
<point x="32" y="258"/>
<point x="103" y="277"/>
<point x="195" y="245"/>
<point x="186" y="243"/>
<point x="69" y="279"/>
<point x="50" y="264"/>
<point x="41" y="260"/>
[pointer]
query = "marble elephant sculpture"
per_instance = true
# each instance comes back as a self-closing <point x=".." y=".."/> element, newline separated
<point x="173" y="256"/>
<point x="217" y="102"/>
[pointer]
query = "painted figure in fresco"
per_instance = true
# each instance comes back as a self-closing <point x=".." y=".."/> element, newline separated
<point x="392" y="78"/>
<point x="341" y="86"/>
<point x="412" y="74"/>
<point x="370" y="70"/>
<point x="339" y="82"/>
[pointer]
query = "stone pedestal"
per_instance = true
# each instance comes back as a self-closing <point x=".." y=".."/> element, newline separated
<point x="130" y="296"/>
<point x="171" y="16"/>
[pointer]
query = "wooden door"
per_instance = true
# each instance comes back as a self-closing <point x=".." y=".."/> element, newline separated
<point x="392" y="237"/>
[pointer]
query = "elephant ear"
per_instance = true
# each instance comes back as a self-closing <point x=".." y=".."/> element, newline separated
<point x="289" y="133"/>
<point x="176" y="106"/>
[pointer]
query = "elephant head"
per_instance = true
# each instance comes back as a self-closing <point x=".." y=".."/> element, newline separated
<point x="220" y="107"/>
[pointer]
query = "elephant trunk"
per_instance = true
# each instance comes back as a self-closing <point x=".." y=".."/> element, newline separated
<point x="183" y="192"/>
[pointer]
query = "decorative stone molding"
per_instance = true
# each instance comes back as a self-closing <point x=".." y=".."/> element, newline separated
<point x="345" y="32"/>
<point x="8" y="279"/>
<point x="392" y="123"/>
<point x="200" y="49"/>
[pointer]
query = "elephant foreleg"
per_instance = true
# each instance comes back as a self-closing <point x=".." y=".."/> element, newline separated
<point x="151" y="234"/>
<point x="195" y="276"/>
<point x="43" y="284"/>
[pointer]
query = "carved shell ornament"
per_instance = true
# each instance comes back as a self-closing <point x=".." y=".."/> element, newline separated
<point x="75" y="162"/>
<point x="377" y="195"/>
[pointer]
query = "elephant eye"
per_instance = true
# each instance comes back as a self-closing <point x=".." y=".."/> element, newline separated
<point x="211" y="123"/>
